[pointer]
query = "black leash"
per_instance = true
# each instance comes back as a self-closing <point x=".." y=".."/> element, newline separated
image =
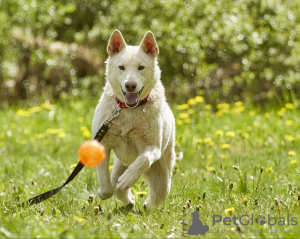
<point x="99" y="136"/>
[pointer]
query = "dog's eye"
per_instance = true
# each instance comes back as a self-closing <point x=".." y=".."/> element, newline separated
<point x="141" y="68"/>
<point x="122" y="68"/>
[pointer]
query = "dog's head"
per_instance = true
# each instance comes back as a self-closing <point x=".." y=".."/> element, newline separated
<point x="132" y="71"/>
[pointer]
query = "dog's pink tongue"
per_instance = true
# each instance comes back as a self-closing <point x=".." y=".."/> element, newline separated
<point x="132" y="98"/>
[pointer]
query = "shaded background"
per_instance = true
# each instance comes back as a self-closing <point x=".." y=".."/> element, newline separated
<point x="224" y="50"/>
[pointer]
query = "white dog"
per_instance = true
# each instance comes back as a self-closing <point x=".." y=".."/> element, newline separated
<point x="143" y="135"/>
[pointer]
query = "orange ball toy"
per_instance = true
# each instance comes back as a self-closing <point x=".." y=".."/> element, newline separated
<point x="91" y="153"/>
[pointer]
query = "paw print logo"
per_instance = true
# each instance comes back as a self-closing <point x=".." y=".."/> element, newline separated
<point x="261" y="220"/>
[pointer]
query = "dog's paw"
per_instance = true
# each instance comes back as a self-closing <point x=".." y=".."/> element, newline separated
<point x="126" y="197"/>
<point x="127" y="180"/>
<point x="105" y="193"/>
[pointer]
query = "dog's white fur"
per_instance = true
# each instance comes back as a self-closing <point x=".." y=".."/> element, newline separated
<point x="142" y="138"/>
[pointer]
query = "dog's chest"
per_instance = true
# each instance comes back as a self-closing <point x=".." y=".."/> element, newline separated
<point x="127" y="136"/>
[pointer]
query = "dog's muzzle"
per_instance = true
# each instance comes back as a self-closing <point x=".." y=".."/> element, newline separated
<point x="132" y="98"/>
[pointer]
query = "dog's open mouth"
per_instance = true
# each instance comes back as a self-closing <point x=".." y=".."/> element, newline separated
<point x="132" y="99"/>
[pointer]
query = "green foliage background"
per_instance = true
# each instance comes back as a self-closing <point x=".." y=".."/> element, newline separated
<point x="221" y="49"/>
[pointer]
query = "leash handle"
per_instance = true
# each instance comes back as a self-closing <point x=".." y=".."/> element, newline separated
<point x="99" y="136"/>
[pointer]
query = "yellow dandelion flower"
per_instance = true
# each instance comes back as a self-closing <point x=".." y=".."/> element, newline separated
<point x="34" y="109"/>
<point x="234" y="110"/>
<point x="80" y="119"/>
<point x="219" y="133"/>
<point x="225" y="146"/>
<point x="292" y="153"/>
<point x="229" y="210"/>
<point x="209" y="169"/>
<point x="192" y="102"/>
<point x="2" y="143"/>
<point x="207" y="140"/>
<point x="252" y="113"/>
<point x="293" y="162"/>
<point x="249" y="128"/>
<point x="267" y="115"/>
<point x="199" y="99"/>
<point x="199" y="141"/>
<point x="256" y="124"/>
<point x="78" y="219"/>
<point x="230" y="134"/>
<point x="241" y="109"/>
<point x="245" y="135"/>
<point x="179" y="122"/>
<point x="223" y="106"/>
<point x="238" y="104"/>
<point x="191" y="111"/>
<point x="245" y="201"/>
<point x="290" y="138"/>
<point x="23" y="141"/>
<point x="289" y="122"/>
<point x="55" y="131"/>
<point x="73" y="165"/>
<point x="289" y="106"/>
<point x="61" y="135"/>
<point x="211" y="143"/>
<point x="111" y="167"/>
<point x="183" y="115"/>
<point x="219" y="106"/>
<point x="23" y="113"/>
<point x="47" y="106"/>
<point x="141" y="194"/>
<point x="269" y="170"/>
<point x="238" y="109"/>
<point x="208" y="107"/>
<point x="223" y="156"/>
<point x="219" y="113"/>
<point x="281" y="112"/>
<point x="183" y="107"/>
<point x="85" y="132"/>
<point x="188" y="120"/>
<point x="209" y="156"/>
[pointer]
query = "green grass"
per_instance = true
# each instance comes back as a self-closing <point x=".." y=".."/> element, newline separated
<point x="263" y="147"/>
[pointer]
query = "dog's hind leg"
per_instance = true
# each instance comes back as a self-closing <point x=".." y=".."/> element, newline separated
<point x="106" y="190"/>
<point x="125" y="196"/>
<point x="159" y="179"/>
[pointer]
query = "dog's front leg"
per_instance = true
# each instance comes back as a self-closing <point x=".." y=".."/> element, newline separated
<point x="106" y="190"/>
<point x="142" y="163"/>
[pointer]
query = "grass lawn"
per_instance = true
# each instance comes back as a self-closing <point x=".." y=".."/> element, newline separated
<point x="237" y="162"/>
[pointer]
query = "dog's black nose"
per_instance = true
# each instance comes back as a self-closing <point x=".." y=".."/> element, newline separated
<point x="130" y="86"/>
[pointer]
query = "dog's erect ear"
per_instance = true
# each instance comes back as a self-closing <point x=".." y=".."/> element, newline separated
<point x="149" y="45"/>
<point x="116" y="43"/>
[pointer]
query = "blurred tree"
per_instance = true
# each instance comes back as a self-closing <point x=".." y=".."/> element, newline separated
<point x="221" y="49"/>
